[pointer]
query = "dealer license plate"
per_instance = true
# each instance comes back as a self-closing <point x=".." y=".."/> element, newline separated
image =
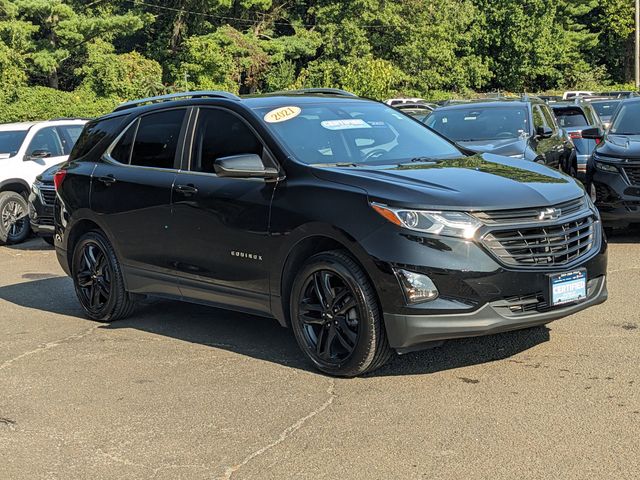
<point x="569" y="287"/>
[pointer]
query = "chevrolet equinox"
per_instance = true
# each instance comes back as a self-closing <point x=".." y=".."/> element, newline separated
<point x="354" y="224"/>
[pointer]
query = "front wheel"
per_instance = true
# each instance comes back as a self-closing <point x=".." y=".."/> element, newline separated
<point x="335" y="316"/>
<point x="14" y="218"/>
<point x="98" y="280"/>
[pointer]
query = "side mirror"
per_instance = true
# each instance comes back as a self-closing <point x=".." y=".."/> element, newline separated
<point x="247" y="165"/>
<point x="544" y="132"/>
<point x="594" y="133"/>
<point x="36" y="154"/>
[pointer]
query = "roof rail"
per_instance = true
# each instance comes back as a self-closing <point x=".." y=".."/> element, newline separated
<point x="177" y="96"/>
<point x="320" y="91"/>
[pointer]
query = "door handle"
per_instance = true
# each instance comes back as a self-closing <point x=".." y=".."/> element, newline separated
<point x="107" y="180"/>
<point x="186" y="190"/>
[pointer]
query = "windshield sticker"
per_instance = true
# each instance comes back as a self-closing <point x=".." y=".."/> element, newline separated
<point x="282" y="114"/>
<point x="344" y="124"/>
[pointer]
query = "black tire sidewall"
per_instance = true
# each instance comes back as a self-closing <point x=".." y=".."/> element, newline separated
<point x="368" y="328"/>
<point x="6" y="197"/>
<point x="106" y="312"/>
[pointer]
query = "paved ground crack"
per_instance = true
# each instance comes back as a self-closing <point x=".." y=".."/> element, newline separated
<point x="286" y="433"/>
<point x="47" y="346"/>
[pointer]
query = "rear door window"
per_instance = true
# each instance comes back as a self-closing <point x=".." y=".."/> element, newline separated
<point x="156" y="139"/>
<point x="69" y="135"/>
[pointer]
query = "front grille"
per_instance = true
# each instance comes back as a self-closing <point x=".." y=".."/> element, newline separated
<point x="633" y="174"/>
<point x="544" y="245"/>
<point x="534" y="302"/>
<point x="48" y="194"/>
<point x="524" y="215"/>
<point x="45" y="221"/>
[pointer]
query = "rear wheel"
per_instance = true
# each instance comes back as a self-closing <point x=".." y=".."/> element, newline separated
<point x="14" y="218"/>
<point x="98" y="279"/>
<point x="335" y="316"/>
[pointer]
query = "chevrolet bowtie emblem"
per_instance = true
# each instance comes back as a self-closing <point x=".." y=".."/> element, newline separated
<point x="549" y="214"/>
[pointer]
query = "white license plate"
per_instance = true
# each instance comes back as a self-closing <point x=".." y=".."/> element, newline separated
<point x="569" y="287"/>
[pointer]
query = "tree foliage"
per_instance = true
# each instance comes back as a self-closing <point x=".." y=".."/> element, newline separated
<point x="115" y="50"/>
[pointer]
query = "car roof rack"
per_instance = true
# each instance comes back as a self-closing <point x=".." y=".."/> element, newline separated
<point x="176" y="96"/>
<point x="318" y="91"/>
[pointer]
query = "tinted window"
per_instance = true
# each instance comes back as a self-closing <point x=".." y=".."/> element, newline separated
<point x="606" y="109"/>
<point x="221" y="134"/>
<point x="571" y="117"/>
<point x="122" y="151"/>
<point x="627" y="120"/>
<point x="156" y="140"/>
<point x="476" y="123"/>
<point x="10" y="142"/>
<point x="69" y="135"/>
<point x="48" y="140"/>
<point x="93" y="133"/>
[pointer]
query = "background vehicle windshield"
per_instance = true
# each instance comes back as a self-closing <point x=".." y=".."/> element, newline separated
<point x="10" y="142"/>
<point x="480" y="123"/>
<point x="606" y="109"/>
<point x="355" y="132"/>
<point x="627" y="120"/>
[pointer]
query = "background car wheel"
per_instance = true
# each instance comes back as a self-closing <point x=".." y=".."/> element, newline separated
<point x="335" y="316"/>
<point x="98" y="279"/>
<point x="14" y="218"/>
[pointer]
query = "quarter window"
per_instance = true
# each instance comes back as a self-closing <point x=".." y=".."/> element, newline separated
<point x="156" y="139"/>
<point x="122" y="151"/>
<point x="221" y="134"/>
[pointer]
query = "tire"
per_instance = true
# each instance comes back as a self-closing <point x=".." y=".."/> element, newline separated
<point x="335" y="316"/>
<point x="49" y="240"/>
<point x="14" y="218"/>
<point x="98" y="280"/>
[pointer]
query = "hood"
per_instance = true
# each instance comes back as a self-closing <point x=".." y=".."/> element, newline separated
<point x="507" y="147"/>
<point x="620" y="146"/>
<point x="479" y="182"/>
<point x="47" y="175"/>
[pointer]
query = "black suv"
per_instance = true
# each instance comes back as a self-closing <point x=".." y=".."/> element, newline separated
<point x="615" y="169"/>
<point x="519" y="128"/>
<point x="341" y="217"/>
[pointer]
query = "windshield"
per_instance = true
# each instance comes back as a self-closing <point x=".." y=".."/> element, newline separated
<point x="606" y="109"/>
<point x="627" y="120"/>
<point x="479" y="123"/>
<point x="353" y="133"/>
<point x="10" y="142"/>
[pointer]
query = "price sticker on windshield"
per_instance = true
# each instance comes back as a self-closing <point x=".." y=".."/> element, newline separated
<point x="344" y="124"/>
<point x="282" y="114"/>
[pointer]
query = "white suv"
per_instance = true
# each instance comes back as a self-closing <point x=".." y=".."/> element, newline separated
<point x="26" y="150"/>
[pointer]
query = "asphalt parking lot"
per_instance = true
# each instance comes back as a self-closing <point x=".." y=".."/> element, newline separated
<point x="183" y="391"/>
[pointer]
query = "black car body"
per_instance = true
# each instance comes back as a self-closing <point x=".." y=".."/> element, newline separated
<point x="41" y="201"/>
<point x="524" y="128"/>
<point x="573" y="118"/>
<point x="273" y="204"/>
<point x="615" y="170"/>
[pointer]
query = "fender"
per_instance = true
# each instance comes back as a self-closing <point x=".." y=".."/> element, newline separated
<point x="10" y="181"/>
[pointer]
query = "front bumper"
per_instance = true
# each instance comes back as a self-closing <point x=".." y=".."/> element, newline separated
<point x="412" y="332"/>
<point x="616" y="198"/>
<point x="40" y="216"/>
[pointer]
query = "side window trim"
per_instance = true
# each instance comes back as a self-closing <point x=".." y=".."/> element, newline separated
<point x="189" y="145"/>
<point x="177" y="161"/>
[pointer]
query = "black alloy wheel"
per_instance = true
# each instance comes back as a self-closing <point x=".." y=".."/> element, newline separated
<point x="329" y="313"/>
<point x="335" y="316"/>
<point x="98" y="279"/>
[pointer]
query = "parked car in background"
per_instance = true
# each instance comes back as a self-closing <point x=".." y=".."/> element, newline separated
<point x="399" y="101"/>
<point x="619" y="94"/>
<point x="26" y="150"/>
<point x="573" y="117"/>
<point x="614" y="175"/>
<point x="419" y="111"/>
<point x="521" y="128"/>
<point x="568" y="95"/>
<point x="605" y="109"/>
<point x="357" y="226"/>
<point x="41" y="201"/>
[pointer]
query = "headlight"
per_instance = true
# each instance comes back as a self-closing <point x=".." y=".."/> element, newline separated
<point x="35" y="188"/>
<point x="450" y="224"/>
<point x="606" y="167"/>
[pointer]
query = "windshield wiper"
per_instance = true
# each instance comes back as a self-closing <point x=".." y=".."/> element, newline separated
<point x="422" y="159"/>
<point x="339" y="164"/>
